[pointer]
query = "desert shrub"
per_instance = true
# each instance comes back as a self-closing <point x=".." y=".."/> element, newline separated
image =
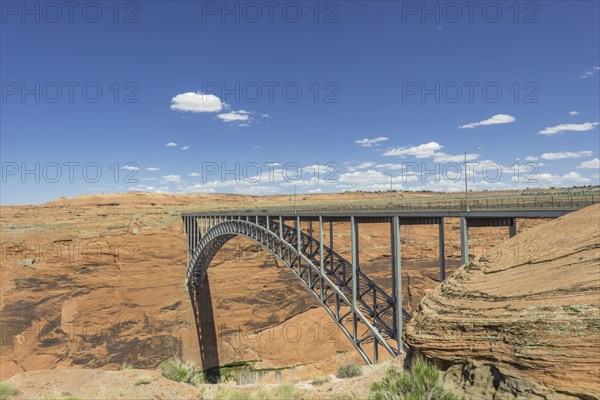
<point x="264" y="393"/>
<point x="142" y="380"/>
<point x="126" y="367"/>
<point x="348" y="370"/>
<point x="232" y="393"/>
<point x="176" y="370"/>
<point x="286" y="392"/>
<point x="319" y="380"/>
<point x="7" y="389"/>
<point x="421" y="381"/>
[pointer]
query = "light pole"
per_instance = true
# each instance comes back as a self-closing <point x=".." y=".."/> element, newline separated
<point x="292" y="199"/>
<point x="391" y="185"/>
<point x="467" y="181"/>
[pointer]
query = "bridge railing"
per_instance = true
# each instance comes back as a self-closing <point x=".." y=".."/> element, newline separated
<point x="570" y="200"/>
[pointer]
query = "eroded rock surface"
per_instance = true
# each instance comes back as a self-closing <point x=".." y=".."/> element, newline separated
<point x="526" y="324"/>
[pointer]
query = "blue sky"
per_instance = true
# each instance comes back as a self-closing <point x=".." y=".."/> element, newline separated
<point x="346" y="92"/>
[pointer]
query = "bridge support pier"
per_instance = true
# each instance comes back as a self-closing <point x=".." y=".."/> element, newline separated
<point x="192" y="233"/>
<point x="464" y="241"/>
<point x="397" y="279"/>
<point x="512" y="228"/>
<point x="442" y="245"/>
<point x="354" y="245"/>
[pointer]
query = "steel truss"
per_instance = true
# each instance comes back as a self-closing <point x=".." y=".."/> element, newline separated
<point x="369" y="316"/>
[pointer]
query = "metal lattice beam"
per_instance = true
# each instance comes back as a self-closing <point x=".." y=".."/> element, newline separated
<point x="370" y="314"/>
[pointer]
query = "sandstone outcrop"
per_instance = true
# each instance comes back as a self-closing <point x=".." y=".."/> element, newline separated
<point x="526" y="324"/>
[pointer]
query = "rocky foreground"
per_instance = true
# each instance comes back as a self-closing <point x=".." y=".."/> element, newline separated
<point x="526" y="324"/>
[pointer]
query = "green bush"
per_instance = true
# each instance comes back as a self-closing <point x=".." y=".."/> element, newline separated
<point x="422" y="381"/>
<point x="7" y="389"/>
<point x="348" y="370"/>
<point x="176" y="370"/>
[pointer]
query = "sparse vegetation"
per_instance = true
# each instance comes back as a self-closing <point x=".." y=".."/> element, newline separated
<point x="7" y="389"/>
<point x="127" y="366"/>
<point x="227" y="392"/>
<point x="422" y="381"/>
<point x="319" y="380"/>
<point x="55" y="395"/>
<point x="142" y="380"/>
<point x="176" y="370"/>
<point x="348" y="370"/>
<point x="286" y="392"/>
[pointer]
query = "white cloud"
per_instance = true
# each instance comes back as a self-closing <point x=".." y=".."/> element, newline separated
<point x="362" y="165"/>
<point x="257" y="147"/>
<point x="371" y="180"/>
<point x="366" y="142"/>
<point x="590" y="164"/>
<point x="265" y="115"/>
<point x="496" y="119"/>
<point x="531" y="158"/>
<point x="389" y="166"/>
<point x="573" y="113"/>
<point x="131" y="167"/>
<point x="447" y="158"/>
<point x="196" y="102"/>
<point x="565" y="154"/>
<point x="146" y="188"/>
<point x="171" y="144"/>
<point x="185" y="148"/>
<point x="172" y="178"/>
<point x="569" y="179"/>
<point x="235" y="116"/>
<point x="589" y="72"/>
<point x="194" y="174"/>
<point x="152" y="169"/>
<point x="421" y="151"/>
<point x="552" y="130"/>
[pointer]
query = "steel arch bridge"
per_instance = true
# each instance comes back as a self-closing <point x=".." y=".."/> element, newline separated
<point x="370" y="317"/>
<point x="365" y="312"/>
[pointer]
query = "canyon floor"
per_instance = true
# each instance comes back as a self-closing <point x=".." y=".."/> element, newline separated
<point x="98" y="283"/>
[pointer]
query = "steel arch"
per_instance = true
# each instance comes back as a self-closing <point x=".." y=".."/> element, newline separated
<point x="327" y="275"/>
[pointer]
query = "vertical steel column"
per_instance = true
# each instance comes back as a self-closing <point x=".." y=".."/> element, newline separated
<point x="281" y="237"/>
<point x="186" y="228"/>
<point x="310" y="236"/>
<point x="298" y="240"/>
<point x="512" y="228"/>
<point x="310" y="252"/>
<point x="442" y="244"/>
<point x="393" y="265"/>
<point x="321" y="260"/>
<point x="331" y="245"/>
<point x="268" y="237"/>
<point x="464" y="241"/>
<point x="354" y="246"/>
<point x="397" y="266"/>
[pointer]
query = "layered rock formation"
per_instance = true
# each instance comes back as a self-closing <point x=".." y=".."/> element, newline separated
<point x="526" y="324"/>
<point x="99" y="281"/>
